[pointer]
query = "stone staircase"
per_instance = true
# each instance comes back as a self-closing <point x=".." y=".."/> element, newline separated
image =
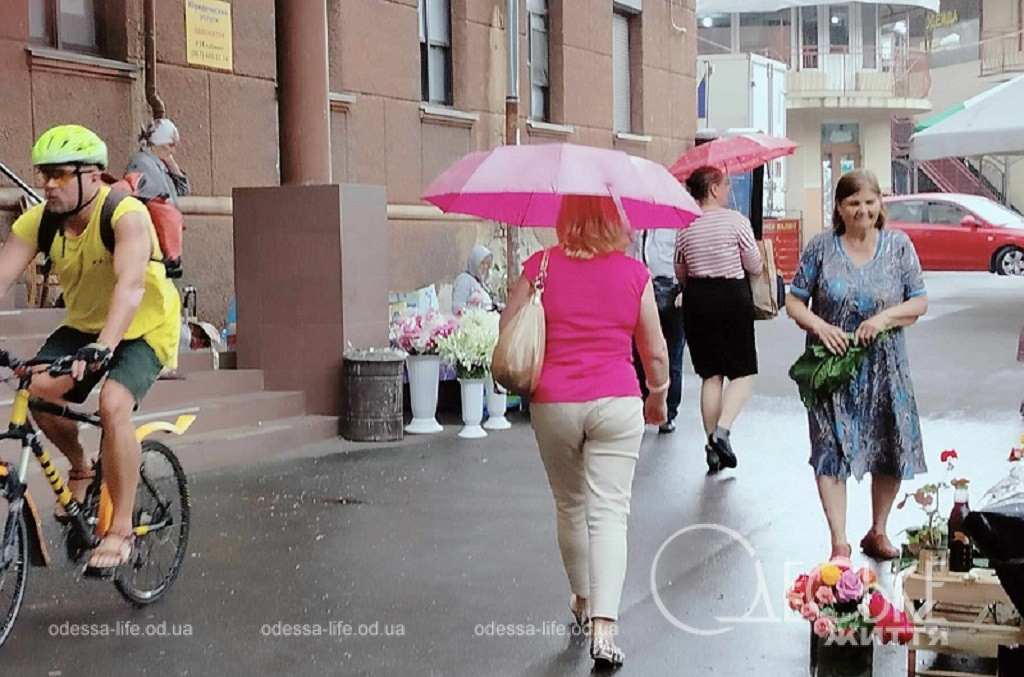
<point x="237" y="419"/>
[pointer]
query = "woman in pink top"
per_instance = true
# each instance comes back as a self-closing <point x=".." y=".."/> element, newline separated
<point x="586" y="412"/>
<point x="713" y="257"/>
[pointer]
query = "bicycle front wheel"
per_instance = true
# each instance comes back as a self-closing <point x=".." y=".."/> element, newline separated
<point x="163" y="505"/>
<point x="13" y="577"/>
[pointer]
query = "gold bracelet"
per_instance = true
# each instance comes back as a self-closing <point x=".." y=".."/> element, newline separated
<point x="660" y="389"/>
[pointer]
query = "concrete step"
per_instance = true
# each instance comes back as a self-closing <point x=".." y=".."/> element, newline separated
<point x="203" y="385"/>
<point x="216" y="449"/>
<point x="252" y="443"/>
<point x="235" y="411"/>
<point x="37" y="321"/>
<point x="23" y="347"/>
<point x="202" y="360"/>
<point x="192" y="361"/>
<point x="255" y="409"/>
<point x="164" y="395"/>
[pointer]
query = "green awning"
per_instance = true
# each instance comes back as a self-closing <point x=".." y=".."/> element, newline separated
<point x="936" y="118"/>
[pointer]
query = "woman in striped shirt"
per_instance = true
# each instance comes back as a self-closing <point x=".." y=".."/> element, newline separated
<point x="713" y="256"/>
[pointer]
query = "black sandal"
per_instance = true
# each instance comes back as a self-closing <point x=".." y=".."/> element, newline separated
<point x="606" y="653"/>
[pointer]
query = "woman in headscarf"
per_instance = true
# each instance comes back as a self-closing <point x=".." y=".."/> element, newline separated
<point x="471" y="285"/>
<point x="155" y="160"/>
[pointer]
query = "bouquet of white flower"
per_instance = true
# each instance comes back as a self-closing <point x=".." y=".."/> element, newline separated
<point x="470" y="346"/>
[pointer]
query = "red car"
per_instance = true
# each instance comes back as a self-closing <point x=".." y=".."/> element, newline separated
<point x="952" y="231"/>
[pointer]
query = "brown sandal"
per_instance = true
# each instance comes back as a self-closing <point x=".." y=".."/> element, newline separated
<point x="876" y="545"/>
<point x="74" y="476"/>
<point x="121" y="554"/>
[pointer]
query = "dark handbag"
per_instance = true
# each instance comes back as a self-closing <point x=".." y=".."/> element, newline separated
<point x="666" y="289"/>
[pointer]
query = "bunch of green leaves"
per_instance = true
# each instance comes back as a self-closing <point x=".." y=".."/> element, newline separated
<point x="819" y="373"/>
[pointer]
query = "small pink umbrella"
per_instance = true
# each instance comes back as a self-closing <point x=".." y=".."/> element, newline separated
<point x="733" y="154"/>
<point x="524" y="185"/>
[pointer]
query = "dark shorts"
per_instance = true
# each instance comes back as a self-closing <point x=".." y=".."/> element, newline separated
<point x="719" y="319"/>
<point x="134" y="364"/>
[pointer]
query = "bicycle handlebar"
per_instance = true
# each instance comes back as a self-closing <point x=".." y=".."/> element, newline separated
<point x="59" y="367"/>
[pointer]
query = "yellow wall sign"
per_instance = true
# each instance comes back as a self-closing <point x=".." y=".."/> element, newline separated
<point x="208" y="33"/>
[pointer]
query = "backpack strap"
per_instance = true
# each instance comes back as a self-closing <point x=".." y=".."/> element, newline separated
<point x="114" y="198"/>
<point x="49" y="225"/>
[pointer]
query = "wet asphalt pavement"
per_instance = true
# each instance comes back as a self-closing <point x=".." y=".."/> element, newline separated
<point x="439" y="557"/>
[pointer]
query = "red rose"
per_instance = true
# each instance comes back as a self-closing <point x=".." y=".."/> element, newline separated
<point x="879" y="607"/>
<point x="906" y="631"/>
<point x="896" y="626"/>
<point x="948" y="454"/>
<point x="801" y="584"/>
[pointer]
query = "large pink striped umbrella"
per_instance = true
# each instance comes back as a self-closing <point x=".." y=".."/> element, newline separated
<point x="524" y="185"/>
<point x="733" y="154"/>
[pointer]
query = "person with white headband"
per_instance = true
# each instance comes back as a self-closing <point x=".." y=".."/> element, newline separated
<point x="155" y="161"/>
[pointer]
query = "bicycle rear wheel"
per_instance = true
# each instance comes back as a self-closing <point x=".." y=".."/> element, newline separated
<point x="14" y="577"/>
<point x="162" y="502"/>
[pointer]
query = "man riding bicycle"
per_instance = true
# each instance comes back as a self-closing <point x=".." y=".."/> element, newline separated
<point x="122" y="316"/>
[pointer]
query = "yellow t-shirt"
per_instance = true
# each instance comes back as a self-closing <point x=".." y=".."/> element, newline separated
<point x="85" y="268"/>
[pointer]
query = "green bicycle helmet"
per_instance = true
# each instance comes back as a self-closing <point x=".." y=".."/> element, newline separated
<point x="69" y="144"/>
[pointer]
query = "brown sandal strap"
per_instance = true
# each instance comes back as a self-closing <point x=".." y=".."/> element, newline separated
<point x="79" y="475"/>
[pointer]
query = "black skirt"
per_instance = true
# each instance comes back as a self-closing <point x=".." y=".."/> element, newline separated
<point x="719" y="319"/>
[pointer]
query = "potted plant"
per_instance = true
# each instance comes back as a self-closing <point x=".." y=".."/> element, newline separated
<point x="418" y="335"/>
<point x="928" y="543"/>
<point x="469" y="348"/>
<point x="847" y="613"/>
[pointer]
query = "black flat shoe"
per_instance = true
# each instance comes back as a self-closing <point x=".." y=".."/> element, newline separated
<point x="714" y="463"/>
<point x="725" y="453"/>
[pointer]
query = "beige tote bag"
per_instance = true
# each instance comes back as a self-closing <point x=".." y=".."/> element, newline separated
<point x="764" y="285"/>
<point x="519" y="355"/>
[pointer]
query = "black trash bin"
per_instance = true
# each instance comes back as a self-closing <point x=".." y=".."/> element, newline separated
<point x="373" y="395"/>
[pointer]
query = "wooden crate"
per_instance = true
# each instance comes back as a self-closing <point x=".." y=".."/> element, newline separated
<point x="953" y="613"/>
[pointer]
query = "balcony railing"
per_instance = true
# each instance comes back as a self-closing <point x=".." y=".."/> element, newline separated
<point x="1002" y="52"/>
<point x="905" y="74"/>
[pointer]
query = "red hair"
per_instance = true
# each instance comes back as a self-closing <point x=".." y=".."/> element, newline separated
<point x="589" y="226"/>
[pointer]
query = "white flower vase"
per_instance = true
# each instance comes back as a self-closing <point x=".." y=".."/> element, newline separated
<point x="472" y="408"/>
<point x="424" y="376"/>
<point x="496" y="405"/>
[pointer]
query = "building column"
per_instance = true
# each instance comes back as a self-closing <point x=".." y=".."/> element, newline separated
<point x="303" y="85"/>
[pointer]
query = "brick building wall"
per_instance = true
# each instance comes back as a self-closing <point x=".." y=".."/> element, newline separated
<point x="381" y="132"/>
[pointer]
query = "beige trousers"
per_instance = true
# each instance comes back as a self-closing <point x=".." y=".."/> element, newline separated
<point x="590" y="450"/>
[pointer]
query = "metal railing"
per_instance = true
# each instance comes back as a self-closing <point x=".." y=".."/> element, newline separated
<point x="904" y="73"/>
<point x="1002" y="52"/>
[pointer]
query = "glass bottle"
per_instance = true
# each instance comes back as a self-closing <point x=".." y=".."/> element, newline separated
<point x="961" y="555"/>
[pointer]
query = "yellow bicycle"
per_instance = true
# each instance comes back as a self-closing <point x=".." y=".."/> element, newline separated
<point x="160" y="520"/>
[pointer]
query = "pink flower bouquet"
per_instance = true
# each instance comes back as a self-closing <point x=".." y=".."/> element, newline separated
<point x="418" y="333"/>
<point x="844" y="605"/>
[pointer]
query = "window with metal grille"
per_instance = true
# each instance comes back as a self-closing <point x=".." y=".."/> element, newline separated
<point x="74" y="25"/>
<point x="621" y="86"/>
<point x="436" y="51"/>
<point x="539" y="51"/>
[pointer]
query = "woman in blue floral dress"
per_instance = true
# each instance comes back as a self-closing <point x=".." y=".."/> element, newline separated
<point x="860" y="280"/>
